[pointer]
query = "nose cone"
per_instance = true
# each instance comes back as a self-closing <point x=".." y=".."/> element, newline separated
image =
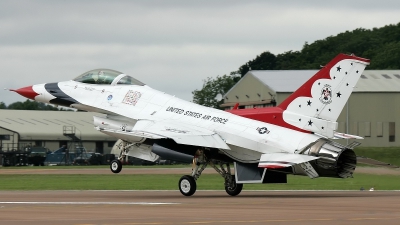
<point x="27" y="92"/>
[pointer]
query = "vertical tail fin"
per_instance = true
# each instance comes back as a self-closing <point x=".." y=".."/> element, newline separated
<point x="316" y="105"/>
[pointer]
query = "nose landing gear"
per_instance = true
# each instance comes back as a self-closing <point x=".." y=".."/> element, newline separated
<point x="116" y="165"/>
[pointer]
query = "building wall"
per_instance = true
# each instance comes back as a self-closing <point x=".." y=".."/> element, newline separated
<point x="251" y="86"/>
<point x="374" y="116"/>
<point x="280" y="97"/>
<point x="90" y="146"/>
<point x="9" y="144"/>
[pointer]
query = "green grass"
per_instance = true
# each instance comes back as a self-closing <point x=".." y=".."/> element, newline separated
<point x="389" y="155"/>
<point x="170" y="182"/>
<point x="95" y="166"/>
<point x="206" y="182"/>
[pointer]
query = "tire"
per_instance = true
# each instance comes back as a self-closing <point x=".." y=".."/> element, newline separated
<point x="116" y="166"/>
<point x="235" y="190"/>
<point x="187" y="185"/>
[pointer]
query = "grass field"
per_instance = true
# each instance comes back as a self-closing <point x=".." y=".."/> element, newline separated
<point x="206" y="182"/>
<point x="170" y="182"/>
<point x="388" y="155"/>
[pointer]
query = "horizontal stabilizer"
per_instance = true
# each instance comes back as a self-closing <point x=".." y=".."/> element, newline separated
<point x="346" y="136"/>
<point x="281" y="160"/>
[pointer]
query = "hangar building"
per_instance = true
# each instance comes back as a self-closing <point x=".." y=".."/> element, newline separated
<point x="51" y="129"/>
<point x="373" y="109"/>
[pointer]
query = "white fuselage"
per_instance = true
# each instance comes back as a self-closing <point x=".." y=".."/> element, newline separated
<point x="247" y="139"/>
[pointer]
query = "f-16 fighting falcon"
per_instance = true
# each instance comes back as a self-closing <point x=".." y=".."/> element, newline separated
<point x="264" y="145"/>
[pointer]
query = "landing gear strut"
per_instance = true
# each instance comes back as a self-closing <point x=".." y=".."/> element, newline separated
<point x="187" y="183"/>
<point x="116" y="165"/>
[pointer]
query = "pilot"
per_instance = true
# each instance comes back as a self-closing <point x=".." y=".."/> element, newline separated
<point x="95" y="78"/>
<point x="101" y="76"/>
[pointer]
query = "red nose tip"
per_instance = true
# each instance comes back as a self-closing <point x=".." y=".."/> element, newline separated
<point x="27" y="92"/>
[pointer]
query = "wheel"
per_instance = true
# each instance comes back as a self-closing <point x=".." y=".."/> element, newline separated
<point x="235" y="190"/>
<point x="187" y="185"/>
<point x="116" y="166"/>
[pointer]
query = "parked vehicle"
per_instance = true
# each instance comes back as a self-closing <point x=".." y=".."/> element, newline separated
<point x="89" y="158"/>
<point x="37" y="155"/>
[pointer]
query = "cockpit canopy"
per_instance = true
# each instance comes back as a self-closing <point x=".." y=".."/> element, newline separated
<point x="107" y="77"/>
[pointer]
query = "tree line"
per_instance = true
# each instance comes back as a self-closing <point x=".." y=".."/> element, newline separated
<point x="380" y="45"/>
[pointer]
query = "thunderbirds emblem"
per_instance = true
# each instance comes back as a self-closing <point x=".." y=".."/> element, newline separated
<point x="326" y="94"/>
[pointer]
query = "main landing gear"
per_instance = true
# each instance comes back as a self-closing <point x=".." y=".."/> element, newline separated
<point x="187" y="184"/>
<point x="116" y="165"/>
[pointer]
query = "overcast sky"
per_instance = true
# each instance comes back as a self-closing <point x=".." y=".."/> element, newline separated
<point x="171" y="46"/>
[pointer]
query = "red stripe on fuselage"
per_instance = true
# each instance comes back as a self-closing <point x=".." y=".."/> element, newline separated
<point x="272" y="115"/>
<point x="272" y="167"/>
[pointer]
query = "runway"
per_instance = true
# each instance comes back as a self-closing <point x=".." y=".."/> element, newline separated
<point x="205" y="207"/>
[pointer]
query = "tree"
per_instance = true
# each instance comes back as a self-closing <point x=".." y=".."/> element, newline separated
<point x="2" y="105"/>
<point x="264" y="61"/>
<point x="212" y="87"/>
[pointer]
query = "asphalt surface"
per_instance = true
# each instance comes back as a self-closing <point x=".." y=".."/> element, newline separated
<point x="205" y="207"/>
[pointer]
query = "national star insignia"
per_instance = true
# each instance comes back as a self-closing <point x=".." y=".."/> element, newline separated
<point x="308" y="103"/>
<point x="338" y="94"/>
<point x="262" y="130"/>
<point x="310" y="123"/>
<point x="338" y="68"/>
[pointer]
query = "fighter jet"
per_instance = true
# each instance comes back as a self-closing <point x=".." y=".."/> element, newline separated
<point x="264" y="145"/>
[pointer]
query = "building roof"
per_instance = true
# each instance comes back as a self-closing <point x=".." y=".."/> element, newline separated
<point x="48" y="125"/>
<point x="291" y="80"/>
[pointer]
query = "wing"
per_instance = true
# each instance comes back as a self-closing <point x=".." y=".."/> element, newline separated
<point x="181" y="134"/>
<point x="135" y="130"/>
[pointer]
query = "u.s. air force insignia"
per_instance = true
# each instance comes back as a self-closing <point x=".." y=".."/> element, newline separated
<point x="263" y="130"/>
<point x="326" y="94"/>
